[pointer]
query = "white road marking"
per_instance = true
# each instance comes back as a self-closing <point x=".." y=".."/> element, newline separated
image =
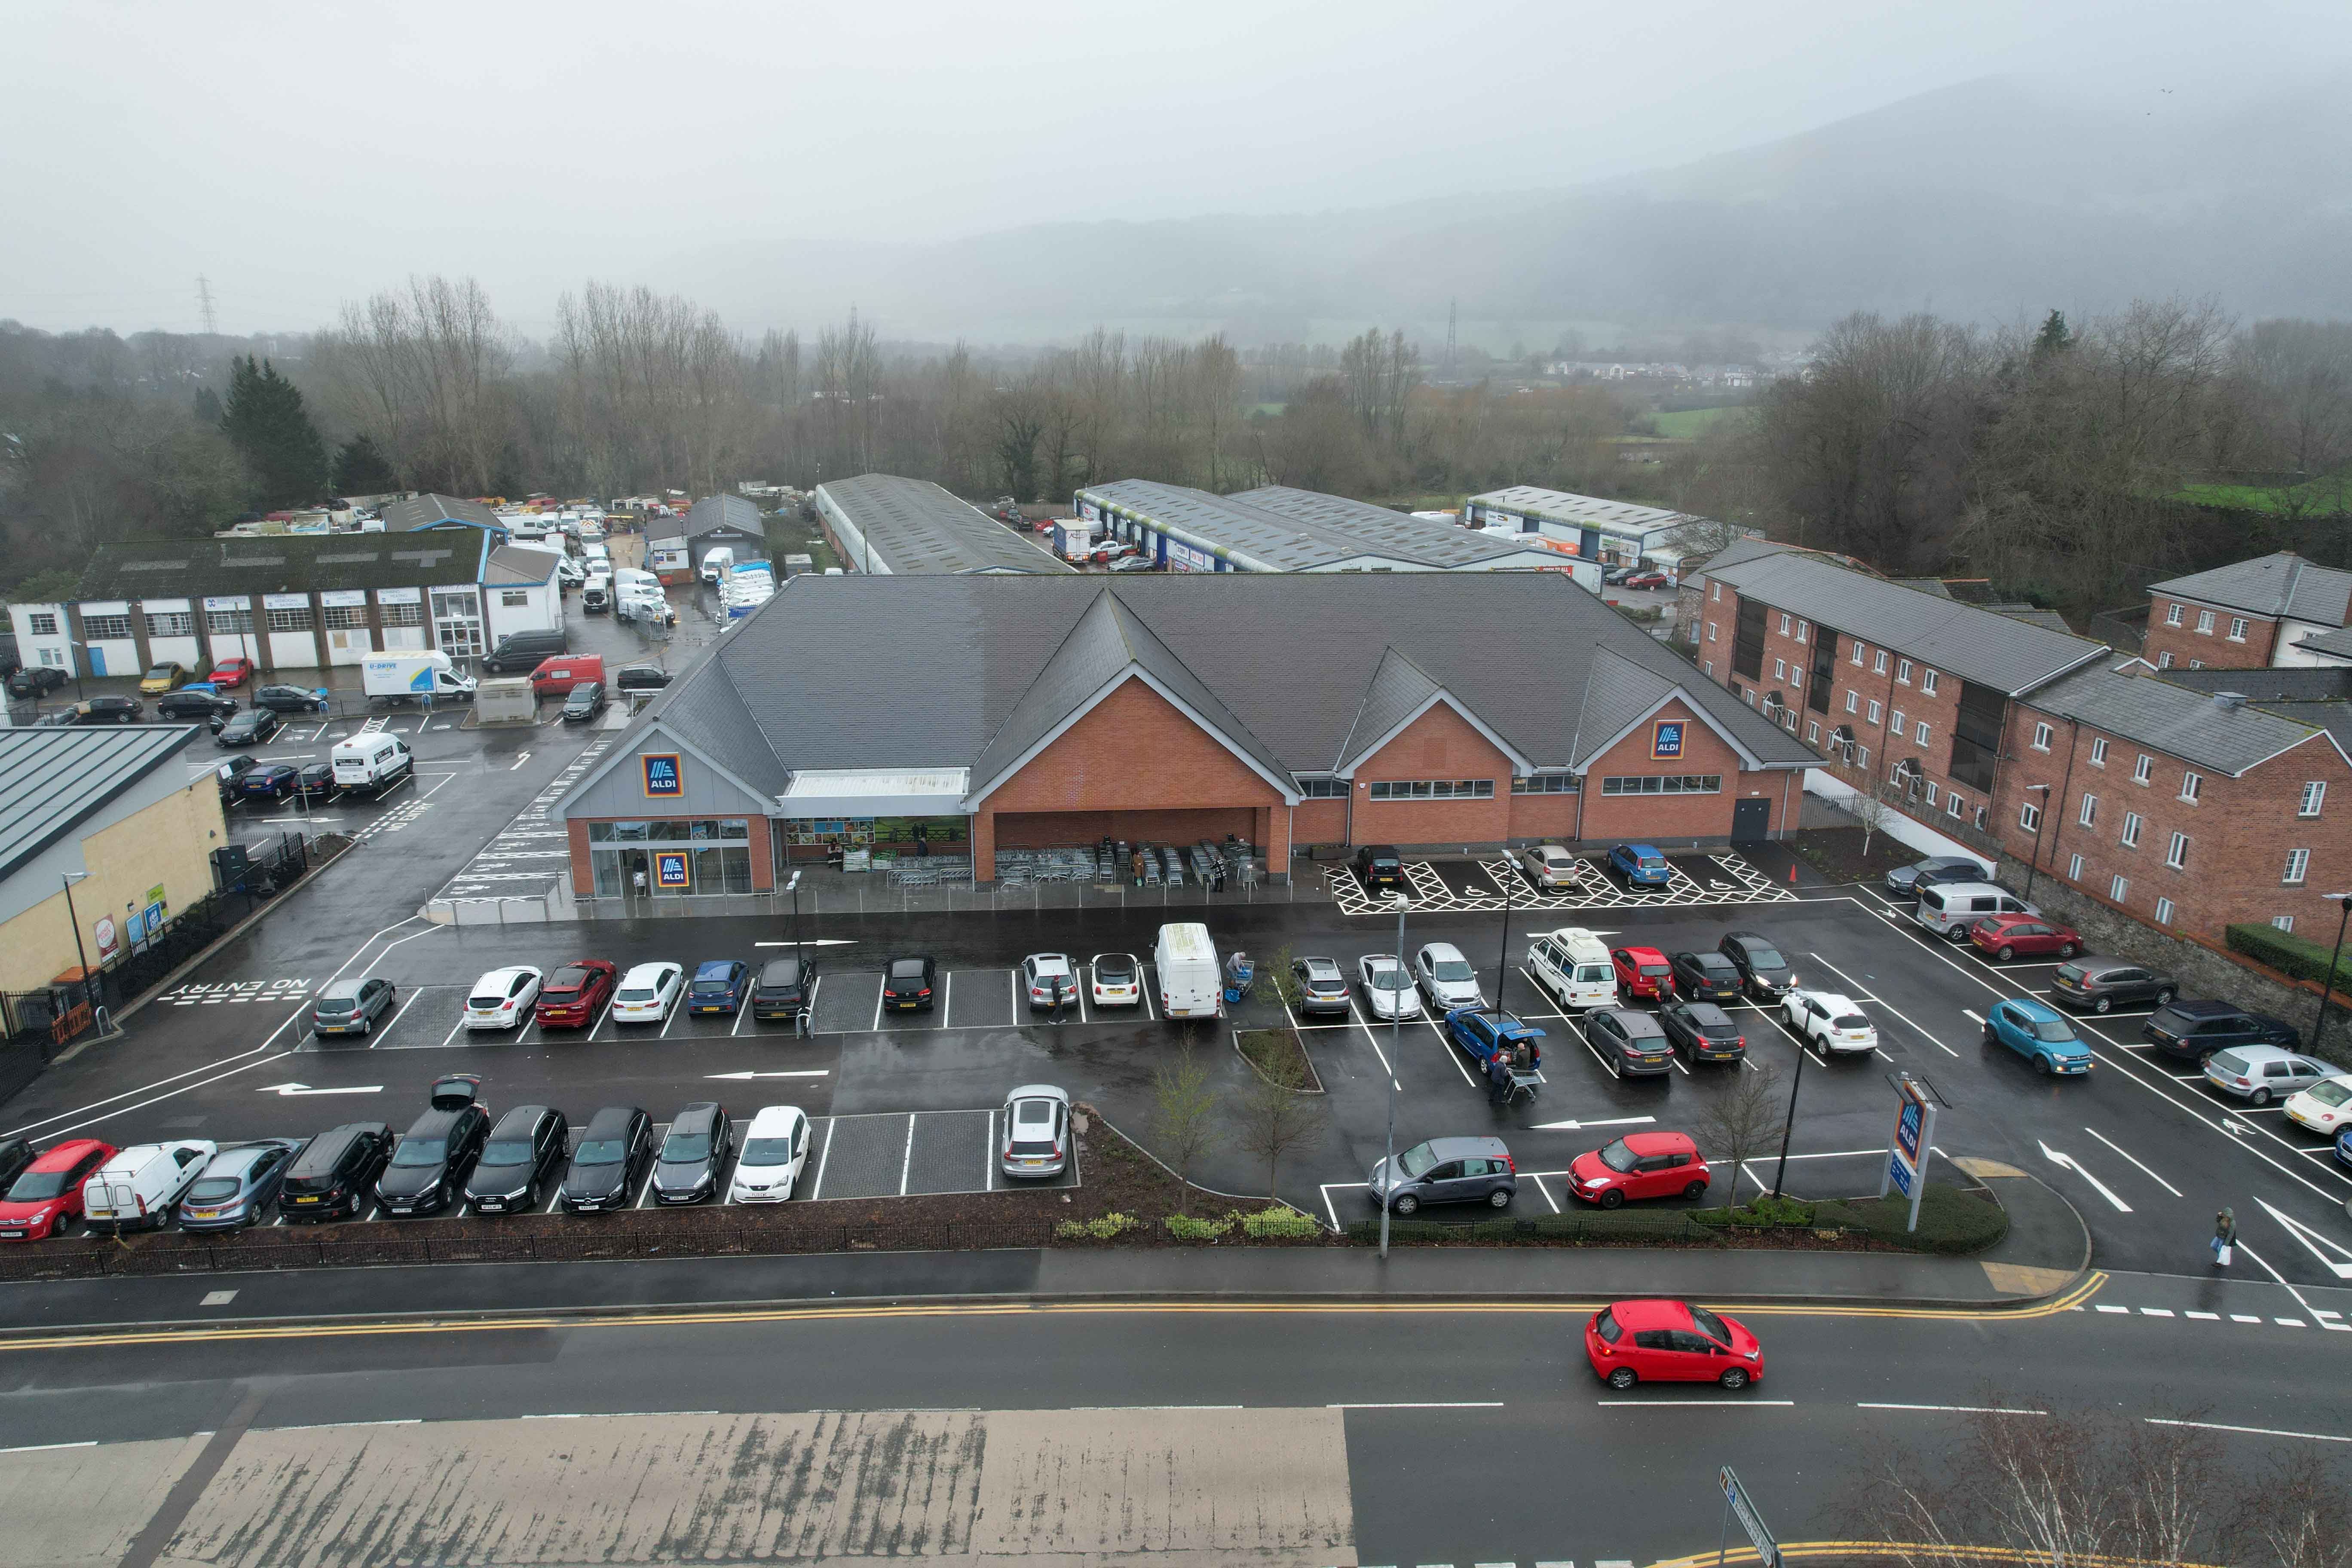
<point x="1952" y="1409"/>
<point x="375" y="1034"/>
<point x="2068" y="1162"/>
<point x="907" y="1164"/>
<point x="1406" y="1405"/>
<point x="2312" y="1242"/>
<point x="46" y="1447"/>
<point x="824" y="1155"/>
<point x="1580" y="1126"/>
<point x="2248" y="1431"/>
<point x="797" y="1072"/>
<point x="2151" y="1175"/>
<point x="1685" y="1404"/>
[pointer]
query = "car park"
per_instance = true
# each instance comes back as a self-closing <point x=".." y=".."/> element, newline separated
<point x="230" y="672"/>
<point x="1573" y="965"/>
<point x="238" y="1186"/>
<point x="616" y="1150"/>
<point x="251" y="727"/>
<point x="1445" y="978"/>
<point x="1829" y="1020"/>
<point x="1640" y="1165"/>
<point x="1387" y="986"/>
<point x="648" y="992"/>
<point x="1762" y="970"/>
<point x="641" y="678"/>
<point x="2038" y="1033"/>
<point x="2004" y="936"/>
<point x="271" y="782"/>
<point x="1632" y="1044"/>
<point x="291" y="698"/>
<point x="1034" y="1138"/>
<point x="502" y="998"/>
<point x="571" y="997"/>
<point x="335" y="1171"/>
<point x="1702" y="1032"/>
<point x="1640" y="866"/>
<point x="2324" y="1108"/>
<point x="1447" y="1171"/>
<point x="109" y="710"/>
<point x="36" y="680"/>
<point x="586" y="701"/>
<point x="163" y="678"/>
<point x="1630" y="1343"/>
<point x="1548" y="865"/>
<point x="785" y="987"/>
<point x="2261" y="1074"/>
<point x="350" y="1007"/>
<point x="430" y="1165"/>
<point x="1905" y="881"/>
<point x="775" y="1148"/>
<point x="45" y="1200"/>
<point x="521" y="1154"/>
<point x="1048" y="981"/>
<point x="1377" y="866"/>
<point x="907" y="983"/>
<point x="206" y="707"/>
<point x="1115" y="980"/>
<point x="2192" y="1030"/>
<point x="1643" y="972"/>
<point x="718" y="987"/>
<point x="693" y="1154"/>
<point x="1322" y="987"/>
<point x="1950" y="908"/>
<point x="138" y="1188"/>
<point x="2103" y="985"/>
<point x="1706" y="976"/>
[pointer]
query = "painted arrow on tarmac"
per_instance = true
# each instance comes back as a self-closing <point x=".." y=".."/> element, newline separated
<point x="2066" y="1162"/>
<point x="1577" y="1126"/>
<point x="2313" y="1241"/>
<point x="290" y="1089"/>
<point x="738" y="1076"/>
<point x="814" y="941"/>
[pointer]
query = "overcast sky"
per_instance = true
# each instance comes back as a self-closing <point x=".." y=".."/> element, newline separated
<point x="298" y="155"/>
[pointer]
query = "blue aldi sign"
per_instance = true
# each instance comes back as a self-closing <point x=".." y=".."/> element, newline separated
<point x="1666" y="740"/>
<point x="664" y="778"/>
<point x="672" y="870"/>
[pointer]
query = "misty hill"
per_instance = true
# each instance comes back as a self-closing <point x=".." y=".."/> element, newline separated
<point x="1988" y="200"/>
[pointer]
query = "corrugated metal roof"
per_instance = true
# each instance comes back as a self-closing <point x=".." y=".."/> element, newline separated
<point x="1364" y="529"/>
<point x="725" y="510"/>
<point x="1277" y="529"/>
<point x="276" y="563"/>
<point x="53" y="780"/>
<point x="915" y="528"/>
<point x="2125" y="700"/>
<point x="1625" y="519"/>
<point x="429" y="510"/>
<point x="2281" y="585"/>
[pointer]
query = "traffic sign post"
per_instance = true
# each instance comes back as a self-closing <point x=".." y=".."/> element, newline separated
<point x="1736" y="1502"/>
<point x="1914" y="1141"/>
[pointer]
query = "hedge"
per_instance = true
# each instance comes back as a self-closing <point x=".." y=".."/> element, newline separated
<point x="2298" y="956"/>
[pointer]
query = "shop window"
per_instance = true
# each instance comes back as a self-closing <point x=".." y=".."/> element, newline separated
<point x="1433" y="789"/>
<point x="344" y="617"/>
<point x="171" y="624"/>
<point x="229" y="623"/>
<point x="1545" y="783"/>
<point x="289" y="620"/>
<point x="1323" y="789"/>
<point x="401" y="614"/>
<point x="1664" y="784"/>
<point x="105" y="629"/>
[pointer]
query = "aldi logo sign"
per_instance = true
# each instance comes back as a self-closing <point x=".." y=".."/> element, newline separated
<point x="1667" y="741"/>
<point x="672" y="870"/>
<point x="664" y="778"/>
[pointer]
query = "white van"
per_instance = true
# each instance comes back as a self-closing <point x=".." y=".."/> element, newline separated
<point x="1948" y="909"/>
<point x="137" y="1186"/>
<point x="717" y="562"/>
<point x="375" y="762"/>
<point x="598" y="553"/>
<point x="1190" y="984"/>
<point x="625" y="575"/>
<point x="1573" y="965"/>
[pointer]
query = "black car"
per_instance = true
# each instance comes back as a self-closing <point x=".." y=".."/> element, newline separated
<point x="1706" y="976"/>
<point x="249" y="728"/>
<point x="782" y="988"/>
<point x="36" y="680"/>
<point x="587" y="701"/>
<point x="229" y="773"/>
<point x="271" y="780"/>
<point x="1632" y="1043"/>
<point x="1322" y="987"/>
<point x="907" y="984"/>
<point x="316" y="782"/>
<point x="1760" y="965"/>
<point x="613" y="1152"/>
<point x="1905" y="881"/>
<point x="2191" y="1031"/>
<point x="641" y="678"/>
<point x="207" y="705"/>
<point x="1377" y="866"/>
<point x="15" y="1155"/>
<point x="1703" y="1032"/>
<point x="523" y="1151"/>
<point x="428" y="1169"/>
<point x="694" y="1155"/>
<point x="290" y="699"/>
<point x="331" y="1177"/>
<point x="109" y="710"/>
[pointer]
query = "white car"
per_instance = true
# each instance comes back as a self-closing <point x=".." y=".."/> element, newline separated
<point x="1049" y="980"/>
<point x="1549" y="866"/>
<point x="1116" y="980"/>
<point x="775" y="1147"/>
<point x="1387" y="986"/>
<point x="1830" y="1021"/>
<point x="137" y="1186"/>
<point x="2324" y="1108"/>
<point x="648" y="992"/>
<point x="1445" y="978"/>
<point x="502" y="998"/>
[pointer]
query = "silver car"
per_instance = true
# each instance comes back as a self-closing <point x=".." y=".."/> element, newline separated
<point x="1388" y="991"/>
<point x="237" y="1185"/>
<point x="1549" y="866"/>
<point x="2260" y="1073"/>
<point x="1033" y="1138"/>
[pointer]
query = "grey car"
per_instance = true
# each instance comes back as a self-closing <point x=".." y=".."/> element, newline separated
<point x="1322" y="987"/>
<point x="1632" y="1043"/>
<point x="350" y="1007"/>
<point x="2102" y="985"/>
<point x="1904" y="881"/>
<point x="1447" y="1171"/>
<point x="238" y="1185"/>
<point x="2260" y="1073"/>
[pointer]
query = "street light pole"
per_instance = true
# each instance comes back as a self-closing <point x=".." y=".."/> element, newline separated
<point x="1396" y="1054"/>
<point x="1789" y="1126"/>
<point x="80" y="956"/>
<point x="1503" y="959"/>
<point x="800" y="948"/>
<point x="2036" y="860"/>
<point x="2328" y="985"/>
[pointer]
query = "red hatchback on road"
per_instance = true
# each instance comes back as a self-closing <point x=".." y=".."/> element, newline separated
<point x="572" y="995"/>
<point x="2005" y="937"/>
<point x="45" y="1198"/>
<point x="1640" y="1165"/>
<point x="1670" y="1342"/>
<point x="1643" y="971"/>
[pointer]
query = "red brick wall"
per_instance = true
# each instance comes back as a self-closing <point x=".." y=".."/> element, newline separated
<point x="1320" y="822"/>
<point x="584" y="869"/>
<point x="1440" y="744"/>
<point x="763" y="864"/>
<point x="1547" y="817"/>
<point x="2212" y="649"/>
<point x="1618" y="818"/>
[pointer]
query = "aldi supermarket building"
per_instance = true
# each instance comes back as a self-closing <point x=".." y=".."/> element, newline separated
<point x="966" y="714"/>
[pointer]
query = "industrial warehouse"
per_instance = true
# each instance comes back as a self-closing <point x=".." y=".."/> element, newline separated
<point x="982" y="715"/>
<point x="1277" y="529"/>
<point x="888" y="526"/>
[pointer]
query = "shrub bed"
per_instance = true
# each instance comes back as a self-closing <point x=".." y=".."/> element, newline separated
<point x="1280" y="1057"/>
<point x="1951" y="1219"/>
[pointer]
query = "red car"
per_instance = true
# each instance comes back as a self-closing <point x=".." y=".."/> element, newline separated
<point x="47" y="1198"/>
<point x="1670" y="1342"/>
<point x="1643" y="971"/>
<point x="2005" y="937"/>
<point x="1647" y="580"/>
<point x="1640" y="1165"/>
<point x="231" y="672"/>
<point x="572" y="995"/>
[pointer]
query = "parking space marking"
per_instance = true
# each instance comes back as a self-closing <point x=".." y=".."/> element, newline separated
<point x="947" y="998"/>
<point x="825" y="1157"/>
<point x="2118" y="1148"/>
<point x="375" y="1038"/>
<point x="1890" y="1007"/>
<point x="878" y="991"/>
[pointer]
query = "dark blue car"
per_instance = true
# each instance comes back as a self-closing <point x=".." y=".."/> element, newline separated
<point x="271" y="780"/>
<point x="2036" y="1031"/>
<point x="718" y="987"/>
<point x="1482" y="1034"/>
<point x="2344" y="1147"/>
<point x="1640" y="866"/>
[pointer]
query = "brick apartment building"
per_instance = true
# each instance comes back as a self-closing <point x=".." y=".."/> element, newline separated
<point x="2249" y="614"/>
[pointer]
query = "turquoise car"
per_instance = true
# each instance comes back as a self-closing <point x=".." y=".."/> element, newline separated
<point x="2040" y="1034"/>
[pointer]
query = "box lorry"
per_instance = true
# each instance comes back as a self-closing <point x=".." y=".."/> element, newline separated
<point x="413" y="677"/>
<point x="1190" y="985"/>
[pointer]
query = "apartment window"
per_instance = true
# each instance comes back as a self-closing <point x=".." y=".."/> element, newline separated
<point x="2117" y="887"/>
<point x="2204" y="623"/>
<point x="2029" y="817"/>
<point x="1717" y="595"/>
<point x="1931" y="794"/>
<point x="41" y="624"/>
<point x="2089" y="815"/>
<point x="1919" y="730"/>
<point x="1784" y="624"/>
<point x="1433" y="789"/>
<point x="2298" y="862"/>
<point x="1664" y="784"/>
<point x="1710" y="631"/>
<point x="2191" y="786"/>
<point x="2141" y="768"/>
<point x="171" y="624"/>
<point x="1878" y="664"/>
<point x="105" y="629"/>
<point x="2099" y="751"/>
<point x="2172" y="614"/>
<point x="1927" y="681"/>
<point x="1874" y="710"/>
<point x="1862" y="758"/>
<point x="2164" y="911"/>
<point x="1813" y="733"/>
<point x="1851" y="702"/>
<point x="2283" y="923"/>
<point x="2164" y="659"/>
<point x="1544" y="783"/>
<point x="2196" y="664"/>
<point x="2133" y="822"/>
<point x="1952" y="806"/>
<point x="2041" y="733"/>
<point x="54" y="658"/>
<point x="1780" y="669"/>
<point x="1857" y="655"/>
<point x="1803" y="630"/>
<point x="1903" y="670"/>
<point x="1900" y="725"/>
<point x="1336" y="789"/>
<point x="2176" y="854"/>
<point x="228" y="623"/>
<point x="2237" y="628"/>
<point x="344" y="617"/>
<point x="1749" y="697"/>
<point x="2313" y="794"/>
<point x="293" y="620"/>
<point x="1709" y="668"/>
<point x="1981" y="819"/>
<point x="401" y="614"/>
<point x="2074" y="870"/>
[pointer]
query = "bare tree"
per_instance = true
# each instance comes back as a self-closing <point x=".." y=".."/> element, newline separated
<point x="1183" y="1115"/>
<point x="1871" y="809"/>
<point x="1743" y="1120"/>
<point x="2295" y="1514"/>
<point x="1275" y="1119"/>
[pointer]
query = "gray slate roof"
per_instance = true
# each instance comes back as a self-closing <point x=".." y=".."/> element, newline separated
<point x="431" y="510"/>
<point x="2336" y="645"/>
<point x="706" y="707"/>
<point x="2281" y="585"/>
<point x="2126" y="699"/>
<point x="515" y="566"/>
<point x="277" y="563"/>
<point x="916" y="529"/>
<point x="1397" y="689"/>
<point x="1277" y="529"/>
<point x="53" y="780"/>
<point x="1960" y="639"/>
<point x="724" y="510"/>
<point x="2281" y="683"/>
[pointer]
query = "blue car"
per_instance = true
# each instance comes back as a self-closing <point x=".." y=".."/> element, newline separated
<point x="1640" y="866"/>
<point x="2039" y="1032"/>
<point x="1482" y="1034"/>
<point x="271" y="780"/>
<point x="718" y="987"/>
<point x="2344" y="1147"/>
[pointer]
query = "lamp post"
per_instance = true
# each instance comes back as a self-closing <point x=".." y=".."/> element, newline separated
<point x="1396" y="1054"/>
<point x="2036" y="860"/>
<point x="80" y="956"/>
<point x="2327" y="987"/>
<point x="1502" y="959"/>
<point x="800" y="948"/>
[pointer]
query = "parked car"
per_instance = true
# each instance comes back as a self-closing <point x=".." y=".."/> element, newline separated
<point x="316" y="782"/>
<point x="1628" y="1342"/>
<point x="140" y="1186"/>
<point x="2325" y="1108"/>
<point x="641" y="678"/>
<point x="718" y="987"/>
<point x="1615" y="576"/>
<point x="523" y="1152"/>
<point x="430" y="1165"/>
<point x="291" y="698"/>
<point x="2038" y="1033"/>
<point x="1134" y="564"/>
<point x="231" y="672"/>
<point x="1829" y="1020"/>
<point x="586" y="701"/>
<point x="1632" y="1044"/>
<point x="1115" y="980"/>
<point x="502" y="998"/>
<point x="271" y="782"/>
<point x="617" y="1149"/>
<point x="350" y="1007"/>
<point x="907" y="983"/>
<point x="1445" y="978"/>
<point x="1322" y="987"/>
<point x="1378" y="867"/>
<point x="333" y="1174"/>
<point x="163" y="678"/>
<point x="1643" y="972"/>
<point x="1548" y="865"/>
<point x="693" y="1153"/>
<point x="2260" y="1073"/>
<point x="1048" y="981"/>
<point x="1702" y="1032"/>
<point x="2005" y="937"/>
<point x="784" y="989"/>
<point x="1034" y="1137"/>
<point x="2103" y="985"/>
<point x="1762" y="970"/>
<point x="227" y="774"/>
<point x="250" y="728"/>
<point x="1573" y="965"/>
<point x="1640" y="1165"/>
<point x="1706" y="976"/>
<point x="109" y="710"/>
<point x="56" y="719"/>
<point x="1950" y="908"/>
<point x="45" y="1200"/>
<point x="1447" y="1171"/>
<point x="240" y="1186"/>
<point x="648" y="992"/>
<point x="775" y="1148"/>
<point x="1905" y="881"/>
<point x="2193" y="1030"/>
<point x="570" y="998"/>
<point x="36" y="680"/>
<point x="1640" y="866"/>
<point x="16" y="1156"/>
<point x="1647" y="580"/>
<point x="518" y="653"/>
<point x="206" y="707"/>
<point x="1481" y="1035"/>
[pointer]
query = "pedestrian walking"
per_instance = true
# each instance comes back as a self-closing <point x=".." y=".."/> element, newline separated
<point x="2225" y="1237"/>
<point x="1498" y="1079"/>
